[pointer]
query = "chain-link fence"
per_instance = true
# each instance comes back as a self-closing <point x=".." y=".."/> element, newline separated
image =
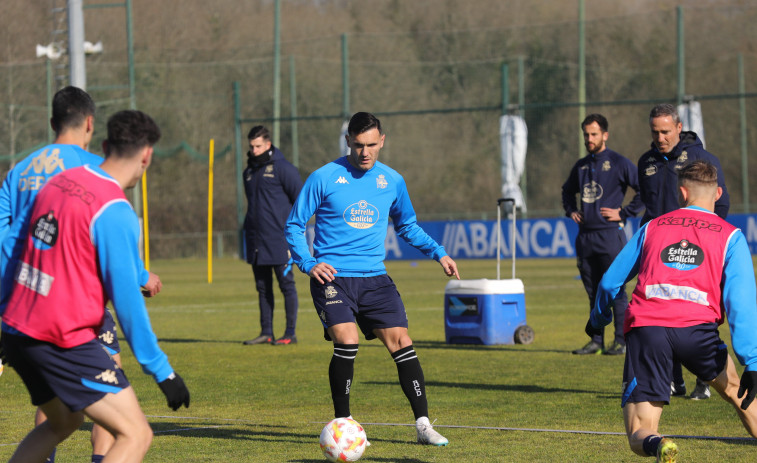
<point x="438" y="93"/>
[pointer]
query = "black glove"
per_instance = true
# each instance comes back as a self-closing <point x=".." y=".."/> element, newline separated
<point x="591" y="331"/>
<point x="748" y="385"/>
<point x="175" y="391"/>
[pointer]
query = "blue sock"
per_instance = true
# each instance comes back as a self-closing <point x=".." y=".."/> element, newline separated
<point x="51" y="458"/>
<point x="97" y="458"/>
<point x="650" y="445"/>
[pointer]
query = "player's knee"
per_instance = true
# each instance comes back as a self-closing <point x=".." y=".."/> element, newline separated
<point x="138" y="437"/>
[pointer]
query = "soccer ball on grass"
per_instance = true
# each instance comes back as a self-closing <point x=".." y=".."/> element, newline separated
<point x="343" y="439"/>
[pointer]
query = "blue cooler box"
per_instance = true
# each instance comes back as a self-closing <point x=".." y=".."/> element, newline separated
<point x="484" y="311"/>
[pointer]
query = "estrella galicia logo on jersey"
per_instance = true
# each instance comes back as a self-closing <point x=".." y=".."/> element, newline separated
<point x="45" y="231"/>
<point x="381" y="182"/>
<point x="683" y="255"/>
<point x="591" y="192"/>
<point x="361" y="215"/>
<point x="650" y="170"/>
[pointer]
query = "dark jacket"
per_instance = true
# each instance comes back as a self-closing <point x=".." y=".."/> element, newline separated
<point x="271" y="187"/>
<point x="601" y="180"/>
<point x="658" y="176"/>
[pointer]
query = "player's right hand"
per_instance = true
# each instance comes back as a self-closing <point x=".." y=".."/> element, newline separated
<point x="175" y="391"/>
<point x="322" y="272"/>
<point x="153" y="285"/>
<point x="749" y="386"/>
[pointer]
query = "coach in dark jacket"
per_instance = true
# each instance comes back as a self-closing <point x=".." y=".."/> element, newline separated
<point x="672" y="148"/>
<point x="600" y="180"/>
<point x="272" y="185"/>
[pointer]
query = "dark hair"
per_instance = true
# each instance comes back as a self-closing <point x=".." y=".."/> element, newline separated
<point x="129" y="131"/>
<point x="362" y="122"/>
<point x="259" y="131"/>
<point x="665" y="109"/>
<point x="71" y="106"/>
<point x="599" y="119"/>
<point x="701" y="172"/>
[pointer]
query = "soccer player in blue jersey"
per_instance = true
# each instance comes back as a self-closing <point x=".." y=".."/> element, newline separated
<point x="352" y="199"/>
<point x="693" y="269"/>
<point x="73" y="113"/>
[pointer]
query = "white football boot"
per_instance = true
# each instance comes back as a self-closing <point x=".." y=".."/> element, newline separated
<point x="426" y="433"/>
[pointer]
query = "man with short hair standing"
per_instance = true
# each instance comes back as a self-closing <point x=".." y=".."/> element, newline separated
<point x="601" y="179"/>
<point x="694" y="269"/>
<point x="352" y="199"/>
<point x="671" y="150"/>
<point x="272" y="185"/>
<point x="81" y="250"/>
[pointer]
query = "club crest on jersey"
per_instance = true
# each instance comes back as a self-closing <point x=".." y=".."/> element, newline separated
<point x="361" y="215"/>
<point x="606" y="166"/>
<point x="268" y="171"/>
<point x="45" y="231"/>
<point x="591" y="192"/>
<point x="683" y="157"/>
<point x="650" y="170"/>
<point x="683" y="255"/>
<point x="381" y="182"/>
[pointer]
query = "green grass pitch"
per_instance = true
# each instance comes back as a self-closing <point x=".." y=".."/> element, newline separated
<point x="265" y="403"/>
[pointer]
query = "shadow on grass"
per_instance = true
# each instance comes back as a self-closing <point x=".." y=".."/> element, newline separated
<point x="493" y="387"/>
<point x="189" y="341"/>
<point x="483" y="348"/>
<point x="367" y="458"/>
<point x="262" y="433"/>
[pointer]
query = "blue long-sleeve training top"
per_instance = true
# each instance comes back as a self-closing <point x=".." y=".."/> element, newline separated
<point x="352" y="210"/>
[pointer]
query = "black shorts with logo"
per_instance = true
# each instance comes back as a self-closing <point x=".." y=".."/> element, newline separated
<point x="372" y="302"/>
<point x="651" y="351"/>
<point x="79" y="376"/>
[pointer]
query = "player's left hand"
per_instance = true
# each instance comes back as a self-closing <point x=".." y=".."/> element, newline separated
<point x="611" y="214"/>
<point x="449" y="266"/>
<point x="175" y="390"/>
<point x="153" y="285"/>
<point x="591" y="331"/>
<point x="749" y="386"/>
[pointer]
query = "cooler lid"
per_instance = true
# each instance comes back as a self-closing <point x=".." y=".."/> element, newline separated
<point x="485" y="286"/>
